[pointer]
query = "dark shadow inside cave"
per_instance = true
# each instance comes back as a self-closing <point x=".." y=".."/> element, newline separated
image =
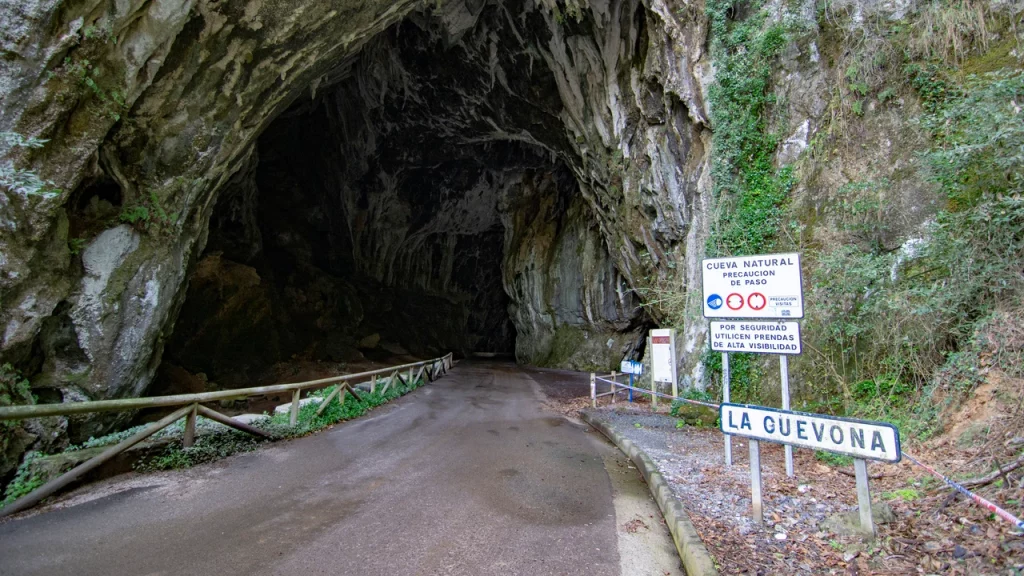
<point x="412" y="202"/>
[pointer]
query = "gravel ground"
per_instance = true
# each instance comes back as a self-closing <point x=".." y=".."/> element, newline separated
<point x="928" y="533"/>
<point x="718" y="498"/>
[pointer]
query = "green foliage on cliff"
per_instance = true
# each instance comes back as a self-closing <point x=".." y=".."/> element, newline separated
<point x="751" y="191"/>
<point x="980" y="136"/>
<point x="894" y="332"/>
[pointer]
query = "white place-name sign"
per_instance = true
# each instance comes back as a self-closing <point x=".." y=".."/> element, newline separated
<point x="765" y="286"/>
<point x="758" y="337"/>
<point x="857" y="438"/>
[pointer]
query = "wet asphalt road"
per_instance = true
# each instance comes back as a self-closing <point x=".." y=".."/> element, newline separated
<point x="467" y="476"/>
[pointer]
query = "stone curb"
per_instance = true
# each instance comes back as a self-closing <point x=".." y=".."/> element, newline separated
<point x="691" y="549"/>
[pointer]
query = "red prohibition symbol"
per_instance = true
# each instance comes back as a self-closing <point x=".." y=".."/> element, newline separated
<point x="757" y="301"/>
<point x="734" y="301"/>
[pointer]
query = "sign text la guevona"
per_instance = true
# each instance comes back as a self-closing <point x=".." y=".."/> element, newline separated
<point x="856" y="438"/>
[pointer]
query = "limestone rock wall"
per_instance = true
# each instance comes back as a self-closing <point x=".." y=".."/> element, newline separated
<point x="151" y="108"/>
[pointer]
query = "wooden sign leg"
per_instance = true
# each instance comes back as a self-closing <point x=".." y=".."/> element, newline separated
<point x="755" y="482"/>
<point x="860" y="468"/>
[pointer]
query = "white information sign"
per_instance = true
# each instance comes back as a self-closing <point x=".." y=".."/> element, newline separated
<point x="755" y="336"/>
<point x="857" y="438"/>
<point x="663" y="355"/>
<point x="765" y="286"/>
<point x="631" y="367"/>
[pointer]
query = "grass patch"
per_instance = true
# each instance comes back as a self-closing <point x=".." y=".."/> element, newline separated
<point x="833" y="459"/>
<point x="905" y="494"/>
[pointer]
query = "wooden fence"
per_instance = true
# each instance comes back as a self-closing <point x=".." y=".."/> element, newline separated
<point x="191" y="407"/>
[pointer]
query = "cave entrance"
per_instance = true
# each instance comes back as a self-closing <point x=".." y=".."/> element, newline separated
<point x="412" y="202"/>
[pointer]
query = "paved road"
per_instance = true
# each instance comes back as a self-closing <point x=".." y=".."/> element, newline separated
<point x="468" y="476"/>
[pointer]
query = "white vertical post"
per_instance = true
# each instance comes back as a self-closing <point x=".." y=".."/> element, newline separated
<point x="860" y="468"/>
<point x="654" y="394"/>
<point x="613" y="386"/>
<point x="593" y="391"/>
<point x="725" y="400"/>
<point x="784" y="370"/>
<point x="675" y="366"/>
<point x="755" y="482"/>
<point x="373" y="384"/>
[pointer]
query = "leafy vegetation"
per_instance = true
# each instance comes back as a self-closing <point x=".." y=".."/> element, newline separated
<point x="27" y="479"/>
<point x="692" y="414"/>
<point x="19" y="180"/>
<point x="906" y="494"/>
<point x="14" y="390"/>
<point x="210" y="447"/>
<point x="833" y="459"/>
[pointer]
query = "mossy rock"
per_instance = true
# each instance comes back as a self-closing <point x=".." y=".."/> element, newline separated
<point x="696" y="415"/>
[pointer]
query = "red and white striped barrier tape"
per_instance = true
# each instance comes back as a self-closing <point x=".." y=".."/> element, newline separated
<point x="659" y="394"/>
<point x="977" y="499"/>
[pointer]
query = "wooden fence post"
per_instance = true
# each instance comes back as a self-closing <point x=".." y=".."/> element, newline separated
<point x="294" y="418"/>
<point x="188" y="438"/>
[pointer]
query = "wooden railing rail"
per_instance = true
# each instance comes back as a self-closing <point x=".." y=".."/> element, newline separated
<point x="71" y="408"/>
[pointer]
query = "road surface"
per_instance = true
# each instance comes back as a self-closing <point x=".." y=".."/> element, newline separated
<point x="471" y="475"/>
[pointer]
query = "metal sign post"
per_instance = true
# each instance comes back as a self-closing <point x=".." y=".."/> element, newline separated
<point x="725" y="399"/>
<point x="784" y="375"/>
<point x="755" y="482"/>
<point x="633" y="368"/>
